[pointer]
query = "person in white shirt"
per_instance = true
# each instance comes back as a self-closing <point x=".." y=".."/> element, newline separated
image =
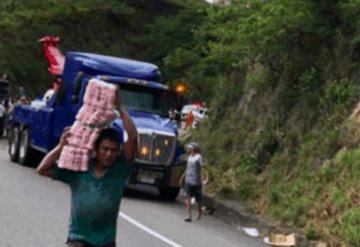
<point x="2" y="119"/>
<point x="191" y="179"/>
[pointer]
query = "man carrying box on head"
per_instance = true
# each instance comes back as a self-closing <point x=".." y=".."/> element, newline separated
<point x="96" y="193"/>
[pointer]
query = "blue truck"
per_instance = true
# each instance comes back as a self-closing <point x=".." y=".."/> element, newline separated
<point x="34" y="130"/>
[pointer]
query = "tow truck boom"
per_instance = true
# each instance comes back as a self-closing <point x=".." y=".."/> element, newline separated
<point x="53" y="54"/>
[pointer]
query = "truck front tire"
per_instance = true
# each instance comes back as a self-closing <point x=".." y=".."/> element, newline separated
<point x="14" y="137"/>
<point x="168" y="194"/>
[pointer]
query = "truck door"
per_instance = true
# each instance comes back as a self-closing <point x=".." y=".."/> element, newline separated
<point x="68" y="105"/>
<point x="64" y="114"/>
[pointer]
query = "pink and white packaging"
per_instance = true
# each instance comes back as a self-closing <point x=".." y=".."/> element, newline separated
<point x="90" y="92"/>
<point x="96" y="118"/>
<point x="100" y="94"/>
<point x="91" y="143"/>
<point x="90" y="115"/>
<point x="97" y="110"/>
<point x="83" y="136"/>
<point x="73" y="158"/>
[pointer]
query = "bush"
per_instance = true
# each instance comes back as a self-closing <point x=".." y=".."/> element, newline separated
<point x="247" y="188"/>
<point x="311" y="233"/>
<point x="339" y="92"/>
<point x="275" y="194"/>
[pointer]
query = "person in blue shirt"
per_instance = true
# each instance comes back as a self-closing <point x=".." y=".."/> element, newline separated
<point x="96" y="194"/>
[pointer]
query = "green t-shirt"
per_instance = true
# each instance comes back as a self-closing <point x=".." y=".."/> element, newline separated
<point x="95" y="202"/>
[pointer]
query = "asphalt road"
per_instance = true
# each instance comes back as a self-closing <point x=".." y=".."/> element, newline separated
<point x="34" y="212"/>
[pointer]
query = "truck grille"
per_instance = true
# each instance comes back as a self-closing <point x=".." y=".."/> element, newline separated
<point x="155" y="148"/>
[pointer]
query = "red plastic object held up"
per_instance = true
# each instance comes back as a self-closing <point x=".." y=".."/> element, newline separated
<point x="53" y="54"/>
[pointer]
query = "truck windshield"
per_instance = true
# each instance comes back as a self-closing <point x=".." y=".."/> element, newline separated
<point x="146" y="100"/>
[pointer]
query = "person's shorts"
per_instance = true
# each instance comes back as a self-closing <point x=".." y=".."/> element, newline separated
<point x="80" y="243"/>
<point x="193" y="191"/>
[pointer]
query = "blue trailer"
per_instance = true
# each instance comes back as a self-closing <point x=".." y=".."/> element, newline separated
<point x="160" y="162"/>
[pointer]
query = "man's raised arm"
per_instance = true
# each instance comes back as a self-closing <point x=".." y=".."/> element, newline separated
<point x="130" y="146"/>
<point x="48" y="162"/>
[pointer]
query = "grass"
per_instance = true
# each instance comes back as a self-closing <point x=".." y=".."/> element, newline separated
<point x="351" y="226"/>
<point x="308" y="180"/>
<point x="247" y="188"/>
<point x="311" y="232"/>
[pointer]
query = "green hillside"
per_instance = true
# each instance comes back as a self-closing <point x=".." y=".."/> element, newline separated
<point x="281" y="79"/>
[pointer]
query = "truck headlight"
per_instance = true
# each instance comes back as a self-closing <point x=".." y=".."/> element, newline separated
<point x="144" y="151"/>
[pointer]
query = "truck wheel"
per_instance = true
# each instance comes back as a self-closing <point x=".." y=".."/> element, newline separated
<point x="14" y="136"/>
<point x="25" y="151"/>
<point x="168" y="194"/>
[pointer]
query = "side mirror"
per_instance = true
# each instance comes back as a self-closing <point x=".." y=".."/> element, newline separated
<point x="76" y="88"/>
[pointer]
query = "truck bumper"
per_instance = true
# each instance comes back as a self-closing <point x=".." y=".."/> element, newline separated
<point x="157" y="175"/>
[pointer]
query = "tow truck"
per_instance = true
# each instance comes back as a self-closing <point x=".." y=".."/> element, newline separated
<point x="35" y="129"/>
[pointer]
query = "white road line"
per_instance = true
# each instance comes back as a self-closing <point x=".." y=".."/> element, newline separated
<point x="148" y="230"/>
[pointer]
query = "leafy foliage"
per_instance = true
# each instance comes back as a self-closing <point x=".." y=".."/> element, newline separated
<point x="105" y="27"/>
<point x="280" y="78"/>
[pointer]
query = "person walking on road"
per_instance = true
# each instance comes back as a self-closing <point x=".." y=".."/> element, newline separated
<point x="96" y="194"/>
<point x="191" y="179"/>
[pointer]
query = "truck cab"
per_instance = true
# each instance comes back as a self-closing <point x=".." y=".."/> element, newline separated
<point x="36" y="128"/>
